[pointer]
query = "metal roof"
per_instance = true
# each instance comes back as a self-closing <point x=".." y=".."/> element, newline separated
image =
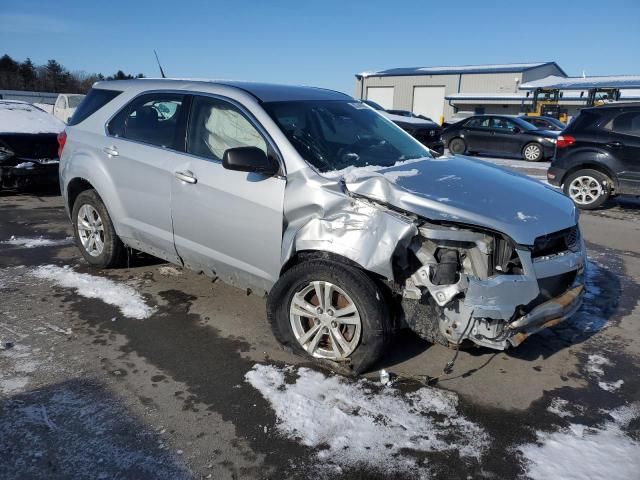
<point x="584" y="83"/>
<point x="496" y="68"/>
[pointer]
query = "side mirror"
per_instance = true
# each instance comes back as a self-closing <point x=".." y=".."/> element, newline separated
<point x="516" y="130"/>
<point x="249" y="159"/>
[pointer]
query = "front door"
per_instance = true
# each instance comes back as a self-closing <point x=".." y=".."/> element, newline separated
<point x="226" y="223"/>
<point x="141" y="153"/>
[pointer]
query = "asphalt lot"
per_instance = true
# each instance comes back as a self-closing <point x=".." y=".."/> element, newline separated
<point x="200" y="388"/>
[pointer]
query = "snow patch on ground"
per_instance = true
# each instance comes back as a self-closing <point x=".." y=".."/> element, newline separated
<point x="582" y="452"/>
<point x="18" y="363"/>
<point x="361" y="424"/>
<point x="595" y="364"/>
<point x="611" y="386"/>
<point x="37" y="242"/>
<point x="127" y="299"/>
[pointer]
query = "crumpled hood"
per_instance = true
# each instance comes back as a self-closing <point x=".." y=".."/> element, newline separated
<point x="470" y="191"/>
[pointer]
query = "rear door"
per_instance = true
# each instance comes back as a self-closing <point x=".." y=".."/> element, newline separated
<point x="477" y="134"/>
<point x="226" y="223"/>
<point x="623" y="141"/>
<point x="141" y="154"/>
<point x="504" y="139"/>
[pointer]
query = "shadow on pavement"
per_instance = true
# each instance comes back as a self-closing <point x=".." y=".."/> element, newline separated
<point x="78" y="429"/>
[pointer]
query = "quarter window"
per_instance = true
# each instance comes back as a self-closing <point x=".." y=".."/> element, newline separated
<point x="626" y="123"/>
<point x="153" y="118"/>
<point x="215" y="126"/>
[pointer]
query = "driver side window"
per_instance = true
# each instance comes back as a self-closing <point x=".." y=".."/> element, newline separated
<point x="215" y="126"/>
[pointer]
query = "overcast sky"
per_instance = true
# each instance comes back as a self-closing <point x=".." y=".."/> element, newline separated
<point x="321" y="43"/>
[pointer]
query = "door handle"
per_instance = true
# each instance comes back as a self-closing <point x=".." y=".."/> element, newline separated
<point x="111" y="151"/>
<point x="186" y="176"/>
<point x="615" y="144"/>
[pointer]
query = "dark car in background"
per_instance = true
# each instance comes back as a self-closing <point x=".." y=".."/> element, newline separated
<point x="426" y="131"/>
<point x="545" y="123"/>
<point x="598" y="155"/>
<point x="500" y="135"/>
<point x="28" y="145"/>
<point x="407" y="113"/>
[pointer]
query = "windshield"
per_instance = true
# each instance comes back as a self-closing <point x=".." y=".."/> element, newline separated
<point x="524" y="124"/>
<point x="332" y="135"/>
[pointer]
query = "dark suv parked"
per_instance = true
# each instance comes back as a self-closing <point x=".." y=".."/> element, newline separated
<point x="598" y="155"/>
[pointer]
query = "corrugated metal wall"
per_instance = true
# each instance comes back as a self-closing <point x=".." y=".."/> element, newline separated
<point x="466" y="83"/>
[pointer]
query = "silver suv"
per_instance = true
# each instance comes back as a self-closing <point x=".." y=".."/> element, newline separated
<point x="307" y="195"/>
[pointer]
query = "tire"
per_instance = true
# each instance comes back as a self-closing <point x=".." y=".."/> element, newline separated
<point x="588" y="189"/>
<point x="351" y="286"/>
<point x="532" y="152"/>
<point x="457" y="146"/>
<point x="89" y="211"/>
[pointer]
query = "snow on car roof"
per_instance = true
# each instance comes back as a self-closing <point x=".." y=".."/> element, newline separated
<point x="22" y="117"/>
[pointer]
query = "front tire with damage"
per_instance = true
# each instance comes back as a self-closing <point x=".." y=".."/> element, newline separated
<point x="327" y="310"/>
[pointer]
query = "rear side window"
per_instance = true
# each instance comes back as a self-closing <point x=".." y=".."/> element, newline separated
<point x="479" y="122"/>
<point x="94" y="101"/>
<point x="627" y="123"/>
<point x="584" y="120"/>
<point x="154" y="118"/>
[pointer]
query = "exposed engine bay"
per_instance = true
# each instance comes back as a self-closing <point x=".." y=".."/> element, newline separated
<point x="482" y="287"/>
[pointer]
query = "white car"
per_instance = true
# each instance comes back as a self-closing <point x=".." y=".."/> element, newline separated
<point x="66" y="105"/>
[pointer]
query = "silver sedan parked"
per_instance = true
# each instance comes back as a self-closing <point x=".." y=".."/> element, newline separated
<point x="307" y="195"/>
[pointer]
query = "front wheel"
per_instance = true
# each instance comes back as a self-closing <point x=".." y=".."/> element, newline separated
<point x="94" y="233"/>
<point x="327" y="310"/>
<point x="532" y="152"/>
<point x="588" y="189"/>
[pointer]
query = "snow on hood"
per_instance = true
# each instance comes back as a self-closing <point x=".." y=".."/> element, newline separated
<point x="21" y="117"/>
<point x="468" y="191"/>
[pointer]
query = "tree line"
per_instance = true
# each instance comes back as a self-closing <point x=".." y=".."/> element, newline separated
<point x="51" y="77"/>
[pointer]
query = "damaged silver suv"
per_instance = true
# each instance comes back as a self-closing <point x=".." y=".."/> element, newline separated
<point x="307" y="195"/>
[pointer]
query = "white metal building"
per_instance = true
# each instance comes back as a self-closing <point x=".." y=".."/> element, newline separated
<point x="440" y="92"/>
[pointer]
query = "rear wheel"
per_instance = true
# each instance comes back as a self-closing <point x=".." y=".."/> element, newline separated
<point x="588" y="189"/>
<point x="327" y="310"/>
<point x="457" y="146"/>
<point x="94" y="233"/>
<point x="532" y="152"/>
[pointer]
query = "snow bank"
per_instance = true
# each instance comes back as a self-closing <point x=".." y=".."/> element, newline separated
<point x="20" y="117"/>
<point x="580" y="452"/>
<point x="356" y="424"/>
<point x="130" y="303"/>
<point x="37" y="242"/>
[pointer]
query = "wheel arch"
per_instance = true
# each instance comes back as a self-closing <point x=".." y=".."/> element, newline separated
<point x="75" y="187"/>
<point x="599" y="167"/>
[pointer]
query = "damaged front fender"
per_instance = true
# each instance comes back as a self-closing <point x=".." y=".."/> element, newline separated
<point x="366" y="233"/>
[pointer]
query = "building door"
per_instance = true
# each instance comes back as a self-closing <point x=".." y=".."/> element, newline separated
<point x="429" y="101"/>
<point x="383" y="96"/>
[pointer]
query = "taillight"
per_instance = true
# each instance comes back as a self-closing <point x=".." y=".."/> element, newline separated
<point x="62" y="139"/>
<point x="565" y="141"/>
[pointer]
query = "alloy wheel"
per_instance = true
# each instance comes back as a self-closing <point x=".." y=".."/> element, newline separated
<point x="325" y="321"/>
<point x="90" y="230"/>
<point x="532" y="152"/>
<point x="585" y="190"/>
